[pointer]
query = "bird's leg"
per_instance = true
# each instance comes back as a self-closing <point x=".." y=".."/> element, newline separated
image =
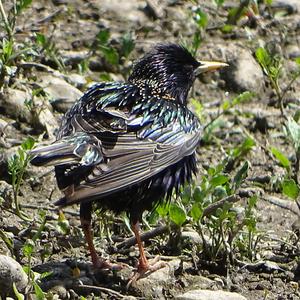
<point x="144" y="265"/>
<point x="85" y="219"/>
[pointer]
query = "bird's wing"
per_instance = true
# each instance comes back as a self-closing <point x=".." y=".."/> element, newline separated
<point x="130" y="161"/>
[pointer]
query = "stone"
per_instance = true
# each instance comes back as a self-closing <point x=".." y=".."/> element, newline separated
<point x="77" y="80"/>
<point x="62" y="93"/>
<point x="209" y="295"/>
<point x="243" y="73"/>
<point x="40" y="116"/>
<point x="11" y="272"/>
<point x="291" y="6"/>
<point x="13" y="101"/>
<point x="192" y="237"/>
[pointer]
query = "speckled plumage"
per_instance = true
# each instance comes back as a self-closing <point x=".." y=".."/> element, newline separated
<point x="127" y="146"/>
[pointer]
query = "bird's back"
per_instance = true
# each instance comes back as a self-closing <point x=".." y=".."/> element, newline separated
<point x="119" y="139"/>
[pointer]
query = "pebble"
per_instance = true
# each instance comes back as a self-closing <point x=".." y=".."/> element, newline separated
<point x="40" y="117"/>
<point x="62" y="93"/>
<point x="13" y="101"/>
<point x="243" y="73"/>
<point x="209" y="295"/>
<point x="192" y="237"/>
<point x="11" y="272"/>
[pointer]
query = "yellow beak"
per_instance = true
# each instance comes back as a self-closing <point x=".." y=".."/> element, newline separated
<point x="206" y="66"/>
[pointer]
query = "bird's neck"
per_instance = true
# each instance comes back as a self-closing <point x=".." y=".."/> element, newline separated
<point x="154" y="88"/>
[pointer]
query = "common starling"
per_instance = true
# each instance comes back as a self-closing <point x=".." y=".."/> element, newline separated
<point x="126" y="146"/>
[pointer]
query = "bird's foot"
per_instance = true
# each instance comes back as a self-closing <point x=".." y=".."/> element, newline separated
<point x="145" y="268"/>
<point x="101" y="264"/>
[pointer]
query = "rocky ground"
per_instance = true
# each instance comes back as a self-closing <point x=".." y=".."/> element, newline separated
<point x="62" y="47"/>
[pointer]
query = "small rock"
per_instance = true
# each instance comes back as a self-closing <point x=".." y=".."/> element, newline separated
<point x="243" y="73"/>
<point x="6" y="193"/>
<point x="209" y="295"/>
<point x="62" y="93"/>
<point x="77" y="80"/>
<point x="74" y="57"/>
<point x="13" y="101"/>
<point x="11" y="272"/>
<point x="191" y="236"/>
<point x="40" y="116"/>
<point x="129" y="298"/>
<point x="154" y="9"/>
<point x="59" y="290"/>
<point x="291" y="6"/>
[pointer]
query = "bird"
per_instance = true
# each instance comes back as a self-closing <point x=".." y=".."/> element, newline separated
<point x="127" y="146"/>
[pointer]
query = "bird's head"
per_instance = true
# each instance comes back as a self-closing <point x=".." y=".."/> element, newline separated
<point x="170" y="69"/>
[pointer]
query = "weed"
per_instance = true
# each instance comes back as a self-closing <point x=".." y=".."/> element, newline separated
<point x="29" y="249"/>
<point x="272" y="65"/>
<point x="8" y="49"/>
<point x="48" y="47"/>
<point x="17" y="165"/>
<point x="201" y="20"/>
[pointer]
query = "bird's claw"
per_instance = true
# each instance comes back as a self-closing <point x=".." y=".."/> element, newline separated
<point x="143" y="270"/>
<point x="101" y="264"/>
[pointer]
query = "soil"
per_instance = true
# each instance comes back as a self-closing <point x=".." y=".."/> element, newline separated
<point x="274" y="271"/>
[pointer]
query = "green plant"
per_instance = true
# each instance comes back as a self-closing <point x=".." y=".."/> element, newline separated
<point x="109" y="53"/>
<point x="217" y="122"/>
<point x="201" y="20"/>
<point x="29" y="249"/>
<point x="9" y="51"/>
<point x="48" y="47"/>
<point x="17" y="165"/>
<point x="272" y="66"/>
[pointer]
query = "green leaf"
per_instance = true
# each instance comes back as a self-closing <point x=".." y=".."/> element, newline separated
<point x="219" y="2"/>
<point x="226" y="105"/>
<point x="21" y="5"/>
<point x="28" y="143"/>
<point x="263" y="58"/>
<point x="244" y="148"/>
<point x="196" y="212"/>
<point x="177" y="214"/>
<point x="290" y="188"/>
<point x="111" y="55"/>
<point x="17" y="294"/>
<point x="241" y="174"/>
<point x="220" y="192"/>
<point x="28" y="248"/>
<point x="186" y="194"/>
<point x="103" y="36"/>
<point x="227" y="28"/>
<point x="105" y="77"/>
<point x="38" y="291"/>
<point x="162" y="209"/>
<point x="243" y="97"/>
<point x="284" y="161"/>
<point x="41" y="39"/>
<point x="219" y="180"/>
<point x="198" y="195"/>
<point x="127" y="44"/>
<point x="198" y="107"/>
<point x="201" y="18"/>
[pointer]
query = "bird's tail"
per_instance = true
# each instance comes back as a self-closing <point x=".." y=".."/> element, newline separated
<point x="59" y="153"/>
<point x="80" y="148"/>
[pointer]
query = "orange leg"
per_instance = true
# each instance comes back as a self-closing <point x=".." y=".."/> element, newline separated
<point x="143" y="262"/>
<point x="85" y="219"/>
<point x="144" y="265"/>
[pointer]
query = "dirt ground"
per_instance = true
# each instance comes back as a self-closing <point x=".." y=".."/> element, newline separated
<point x="274" y="271"/>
